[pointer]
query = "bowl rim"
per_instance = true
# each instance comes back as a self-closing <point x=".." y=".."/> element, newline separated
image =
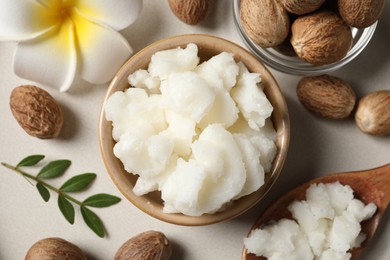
<point x="141" y="202"/>
<point x="294" y="65"/>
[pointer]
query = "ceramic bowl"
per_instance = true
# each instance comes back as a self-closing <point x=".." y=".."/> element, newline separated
<point x="294" y="65"/>
<point x="208" y="46"/>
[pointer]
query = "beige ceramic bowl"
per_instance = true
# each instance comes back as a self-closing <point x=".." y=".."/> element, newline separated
<point x="208" y="46"/>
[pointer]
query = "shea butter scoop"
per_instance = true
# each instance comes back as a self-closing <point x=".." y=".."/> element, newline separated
<point x="370" y="186"/>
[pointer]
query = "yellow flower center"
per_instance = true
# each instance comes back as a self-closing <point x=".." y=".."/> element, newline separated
<point x="61" y="10"/>
<point x="65" y="12"/>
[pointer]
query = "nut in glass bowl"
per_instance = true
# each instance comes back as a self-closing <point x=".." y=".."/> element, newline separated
<point x="208" y="46"/>
<point x="280" y="60"/>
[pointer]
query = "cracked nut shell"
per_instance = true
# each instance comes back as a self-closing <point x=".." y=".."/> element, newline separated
<point x="36" y="111"/>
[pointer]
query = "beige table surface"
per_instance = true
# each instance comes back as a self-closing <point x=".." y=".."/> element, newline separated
<point x="317" y="147"/>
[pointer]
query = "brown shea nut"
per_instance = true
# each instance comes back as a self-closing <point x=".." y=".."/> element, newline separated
<point x="321" y="38"/>
<point x="54" y="248"/>
<point x="326" y="96"/>
<point x="149" y="245"/>
<point x="360" y="13"/>
<point x="36" y="111"/>
<point x="191" y="11"/>
<point x="302" y="6"/>
<point x="372" y="115"/>
<point x="265" y="21"/>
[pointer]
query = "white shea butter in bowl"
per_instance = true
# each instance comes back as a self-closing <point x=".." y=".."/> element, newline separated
<point x="196" y="134"/>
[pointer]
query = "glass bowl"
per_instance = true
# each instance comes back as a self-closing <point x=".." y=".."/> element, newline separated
<point x="294" y="65"/>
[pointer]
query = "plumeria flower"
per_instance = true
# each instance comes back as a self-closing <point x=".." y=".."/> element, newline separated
<point x="59" y="38"/>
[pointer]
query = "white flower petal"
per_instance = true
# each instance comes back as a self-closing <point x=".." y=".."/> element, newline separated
<point x="50" y="61"/>
<point x="117" y="14"/>
<point x="102" y="50"/>
<point x="22" y="20"/>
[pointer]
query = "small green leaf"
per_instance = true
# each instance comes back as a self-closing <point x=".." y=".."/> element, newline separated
<point x="30" y="160"/>
<point x="93" y="221"/>
<point x="78" y="182"/>
<point x="45" y="194"/>
<point x="101" y="200"/>
<point x="54" y="169"/>
<point x="66" y="209"/>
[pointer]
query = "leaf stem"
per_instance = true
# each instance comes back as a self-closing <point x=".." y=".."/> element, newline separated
<point x="37" y="179"/>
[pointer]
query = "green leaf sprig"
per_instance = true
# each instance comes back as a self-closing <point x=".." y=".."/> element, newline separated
<point x="75" y="184"/>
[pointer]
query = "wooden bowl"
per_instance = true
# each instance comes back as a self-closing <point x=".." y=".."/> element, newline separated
<point x="208" y="46"/>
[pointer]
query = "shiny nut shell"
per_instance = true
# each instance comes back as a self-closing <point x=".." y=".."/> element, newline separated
<point x="36" y="111"/>
<point x="150" y="245"/>
<point x="321" y="38"/>
<point x="54" y="248"/>
<point x="302" y="6"/>
<point x="326" y="96"/>
<point x="265" y="21"/>
<point x="360" y="13"/>
<point x="372" y="115"/>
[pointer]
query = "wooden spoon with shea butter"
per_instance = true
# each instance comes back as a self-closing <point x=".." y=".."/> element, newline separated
<point x="368" y="185"/>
